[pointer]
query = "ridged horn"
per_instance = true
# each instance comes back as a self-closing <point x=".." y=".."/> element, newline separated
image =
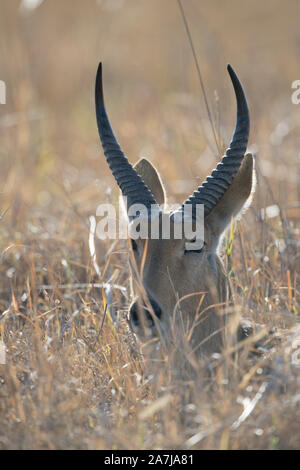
<point x="211" y="191"/>
<point x="130" y="182"/>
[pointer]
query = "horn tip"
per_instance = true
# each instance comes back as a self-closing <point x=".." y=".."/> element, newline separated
<point x="231" y="72"/>
<point x="98" y="85"/>
<point x="99" y="70"/>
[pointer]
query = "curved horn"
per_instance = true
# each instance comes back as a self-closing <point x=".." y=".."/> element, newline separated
<point x="221" y="178"/>
<point x="131" y="184"/>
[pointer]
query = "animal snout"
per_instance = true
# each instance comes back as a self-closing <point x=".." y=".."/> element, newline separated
<point x="140" y="313"/>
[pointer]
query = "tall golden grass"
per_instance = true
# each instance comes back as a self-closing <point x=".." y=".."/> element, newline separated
<point x="73" y="378"/>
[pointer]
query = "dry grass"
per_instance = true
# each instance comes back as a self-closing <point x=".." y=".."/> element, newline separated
<point x="72" y="378"/>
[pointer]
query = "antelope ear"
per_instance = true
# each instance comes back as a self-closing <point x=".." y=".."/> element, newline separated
<point x="237" y="198"/>
<point x="151" y="177"/>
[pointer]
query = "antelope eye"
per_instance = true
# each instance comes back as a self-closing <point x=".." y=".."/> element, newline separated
<point x="133" y="244"/>
<point x="190" y="249"/>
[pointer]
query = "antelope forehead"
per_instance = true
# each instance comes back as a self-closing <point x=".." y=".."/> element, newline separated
<point x="165" y="226"/>
<point x="156" y="226"/>
<point x="136" y="225"/>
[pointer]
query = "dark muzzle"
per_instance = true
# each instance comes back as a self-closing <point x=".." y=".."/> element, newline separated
<point x="142" y="314"/>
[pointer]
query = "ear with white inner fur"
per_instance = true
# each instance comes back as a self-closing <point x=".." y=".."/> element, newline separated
<point x="236" y="198"/>
<point x="151" y="177"/>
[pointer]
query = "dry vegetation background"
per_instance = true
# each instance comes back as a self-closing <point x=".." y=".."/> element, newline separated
<point x="72" y="380"/>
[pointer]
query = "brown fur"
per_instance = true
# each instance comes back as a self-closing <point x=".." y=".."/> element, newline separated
<point x="186" y="286"/>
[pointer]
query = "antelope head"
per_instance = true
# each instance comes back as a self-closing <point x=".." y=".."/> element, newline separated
<point x="174" y="281"/>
